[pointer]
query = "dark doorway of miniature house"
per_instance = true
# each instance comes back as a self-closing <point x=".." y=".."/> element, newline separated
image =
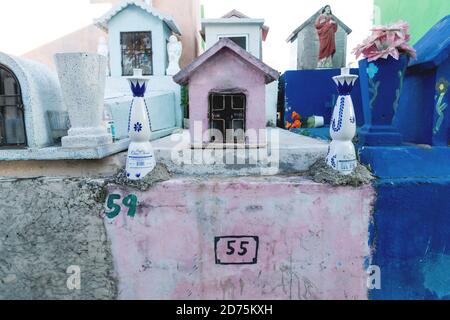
<point x="227" y="115"/>
<point x="12" y="124"/>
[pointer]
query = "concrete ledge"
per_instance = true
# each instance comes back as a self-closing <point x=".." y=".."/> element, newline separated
<point x="286" y="153"/>
<point x="162" y="133"/>
<point x="59" y="153"/>
<point x="407" y="161"/>
<point x="61" y="169"/>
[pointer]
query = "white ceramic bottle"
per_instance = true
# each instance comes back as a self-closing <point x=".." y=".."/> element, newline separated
<point x="141" y="158"/>
<point x="342" y="155"/>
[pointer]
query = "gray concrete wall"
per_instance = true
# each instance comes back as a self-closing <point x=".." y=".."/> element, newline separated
<point x="63" y="168"/>
<point x="47" y="225"/>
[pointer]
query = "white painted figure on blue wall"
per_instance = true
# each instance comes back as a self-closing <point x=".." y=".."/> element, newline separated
<point x="141" y="157"/>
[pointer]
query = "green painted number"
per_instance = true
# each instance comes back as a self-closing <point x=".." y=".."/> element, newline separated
<point x="130" y="201"/>
<point x="112" y="206"/>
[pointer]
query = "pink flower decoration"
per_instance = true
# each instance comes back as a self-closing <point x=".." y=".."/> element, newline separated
<point x="386" y="41"/>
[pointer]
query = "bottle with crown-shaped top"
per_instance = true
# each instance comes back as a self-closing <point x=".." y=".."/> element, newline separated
<point x="141" y="158"/>
<point x="341" y="154"/>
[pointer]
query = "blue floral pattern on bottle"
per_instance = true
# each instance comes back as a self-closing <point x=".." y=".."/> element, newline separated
<point x="138" y="127"/>
<point x="138" y="89"/>
<point x="344" y="88"/>
<point x="333" y="161"/>
<point x="148" y="115"/>
<point x="338" y="127"/>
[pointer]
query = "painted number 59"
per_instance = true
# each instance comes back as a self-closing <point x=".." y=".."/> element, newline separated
<point x="129" y="202"/>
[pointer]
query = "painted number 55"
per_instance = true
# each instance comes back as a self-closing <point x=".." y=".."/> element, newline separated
<point x="243" y="247"/>
<point x="236" y="250"/>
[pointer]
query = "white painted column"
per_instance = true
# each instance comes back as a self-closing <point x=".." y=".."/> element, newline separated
<point x="82" y="79"/>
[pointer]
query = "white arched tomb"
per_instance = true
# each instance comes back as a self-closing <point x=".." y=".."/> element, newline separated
<point x="41" y="93"/>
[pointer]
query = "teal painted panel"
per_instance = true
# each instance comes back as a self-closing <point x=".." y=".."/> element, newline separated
<point x="161" y="110"/>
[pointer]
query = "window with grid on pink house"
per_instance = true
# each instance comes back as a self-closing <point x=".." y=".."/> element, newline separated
<point x="227" y="93"/>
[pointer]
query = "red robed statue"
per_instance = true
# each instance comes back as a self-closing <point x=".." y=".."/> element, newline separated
<point x="326" y="28"/>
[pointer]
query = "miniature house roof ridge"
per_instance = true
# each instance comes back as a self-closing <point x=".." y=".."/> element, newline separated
<point x="312" y="19"/>
<point x="235" y="16"/>
<point x="183" y="76"/>
<point x="433" y="48"/>
<point x="102" y="22"/>
<point x="235" y="13"/>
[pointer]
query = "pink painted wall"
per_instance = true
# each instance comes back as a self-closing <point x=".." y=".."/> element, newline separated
<point x="312" y="240"/>
<point x="227" y="71"/>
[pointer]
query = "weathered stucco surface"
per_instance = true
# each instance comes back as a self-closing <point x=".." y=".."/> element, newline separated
<point x="47" y="225"/>
<point x="313" y="239"/>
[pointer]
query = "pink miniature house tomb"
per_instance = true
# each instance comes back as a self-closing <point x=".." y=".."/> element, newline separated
<point x="227" y="92"/>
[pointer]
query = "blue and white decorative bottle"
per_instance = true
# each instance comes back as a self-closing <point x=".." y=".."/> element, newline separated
<point x="342" y="155"/>
<point x="141" y="158"/>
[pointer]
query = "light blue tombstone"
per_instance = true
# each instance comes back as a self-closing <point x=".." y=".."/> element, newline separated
<point x="163" y="96"/>
<point x="136" y="16"/>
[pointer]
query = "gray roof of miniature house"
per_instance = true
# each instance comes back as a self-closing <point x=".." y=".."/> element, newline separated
<point x="183" y="76"/>
<point x="433" y="48"/>
<point x="236" y="17"/>
<point x="294" y="34"/>
<point x="102" y="22"/>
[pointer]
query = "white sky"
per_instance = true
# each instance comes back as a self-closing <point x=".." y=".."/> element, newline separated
<point x="27" y="24"/>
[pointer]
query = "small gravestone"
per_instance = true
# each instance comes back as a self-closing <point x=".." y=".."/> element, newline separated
<point x="227" y="96"/>
<point x="138" y="35"/>
<point x="320" y="42"/>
